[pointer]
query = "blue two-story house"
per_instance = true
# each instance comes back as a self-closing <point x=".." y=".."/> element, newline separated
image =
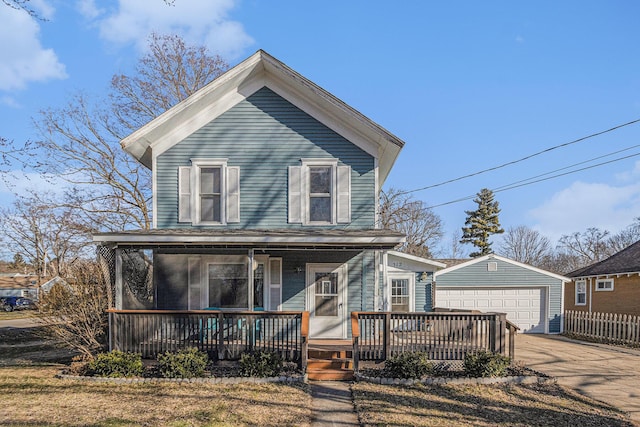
<point x="265" y="198"/>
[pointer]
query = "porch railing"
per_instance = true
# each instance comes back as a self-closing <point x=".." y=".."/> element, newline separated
<point x="223" y="335"/>
<point x="378" y="336"/>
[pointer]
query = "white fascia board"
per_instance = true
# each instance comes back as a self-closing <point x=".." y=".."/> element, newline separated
<point x="507" y="260"/>
<point x="292" y="240"/>
<point x="606" y="276"/>
<point x="417" y="259"/>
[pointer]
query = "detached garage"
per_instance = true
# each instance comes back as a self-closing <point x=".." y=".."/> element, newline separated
<point x="532" y="298"/>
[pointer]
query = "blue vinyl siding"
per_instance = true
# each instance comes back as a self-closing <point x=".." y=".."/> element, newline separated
<point x="423" y="293"/>
<point x="508" y="276"/>
<point x="263" y="135"/>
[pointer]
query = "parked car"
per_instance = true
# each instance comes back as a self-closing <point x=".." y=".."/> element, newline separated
<point x="17" y="303"/>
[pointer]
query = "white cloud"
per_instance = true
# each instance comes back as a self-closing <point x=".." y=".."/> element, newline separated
<point x="9" y="101"/>
<point x="583" y="205"/>
<point x="519" y="39"/>
<point x="197" y="21"/>
<point x="89" y="9"/>
<point x="22" y="57"/>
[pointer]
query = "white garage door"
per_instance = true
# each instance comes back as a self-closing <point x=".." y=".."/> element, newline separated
<point x="524" y="306"/>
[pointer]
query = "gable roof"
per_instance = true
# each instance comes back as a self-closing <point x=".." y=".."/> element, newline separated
<point x="18" y="281"/>
<point x="240" y="82"/>
<point x="503" y="259"/>
<point x="625" y="261"/>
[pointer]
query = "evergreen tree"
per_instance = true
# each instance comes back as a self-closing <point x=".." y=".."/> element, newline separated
<point x="482" y="223"/>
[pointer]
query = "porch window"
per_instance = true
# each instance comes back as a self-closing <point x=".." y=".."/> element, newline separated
<point x="228" y="285"/>
<point x="258" y="286"/>
<point x="604" y="285"/>
<point x="581" y="293"/>
<point x="400" y="299"/>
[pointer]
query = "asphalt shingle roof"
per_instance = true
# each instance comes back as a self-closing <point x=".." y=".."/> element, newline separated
<point x="625" y="261"/>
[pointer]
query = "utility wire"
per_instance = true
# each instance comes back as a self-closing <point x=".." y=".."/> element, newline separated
<point x="521" y="184"/>
<point x="521" y="159"/>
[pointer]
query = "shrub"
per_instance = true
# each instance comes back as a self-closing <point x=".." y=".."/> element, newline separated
<point x="412" y="365"/>
<point x="260" y="364"/>
<point x="485" y="364"/>
<point x="187" y="363"/>
<point x="116" y="364"/>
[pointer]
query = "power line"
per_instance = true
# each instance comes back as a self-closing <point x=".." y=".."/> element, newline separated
<point x="528" y="182"/>
<point x="555" y="147"/>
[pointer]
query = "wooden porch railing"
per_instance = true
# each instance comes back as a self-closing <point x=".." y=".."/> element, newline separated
<point x="224" y="335"/>
<point x="378" y="336"/>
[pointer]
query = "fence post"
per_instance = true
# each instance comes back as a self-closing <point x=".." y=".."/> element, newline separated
<point x="304" y="337"/>
<point x="220" y="331"/>
<point x="355" y="334"/>
<point x="111" y="331"/>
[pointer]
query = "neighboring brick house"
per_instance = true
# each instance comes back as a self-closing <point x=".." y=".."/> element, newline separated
<point x="609" y="286"/>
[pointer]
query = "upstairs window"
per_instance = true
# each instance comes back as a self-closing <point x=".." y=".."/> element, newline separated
<point x="209" y="192"/>
<point x="319" y="193"/>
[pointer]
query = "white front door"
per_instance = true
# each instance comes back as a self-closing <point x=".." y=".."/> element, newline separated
<point x="326" y="300"/>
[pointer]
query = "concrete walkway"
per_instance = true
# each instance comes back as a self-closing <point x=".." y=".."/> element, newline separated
<point x="332" y="404"/>
<point x="606" y="373"/>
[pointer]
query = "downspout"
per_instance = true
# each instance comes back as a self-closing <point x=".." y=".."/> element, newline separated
<point x="385" y="290"/>
<point x="251" y="284"/>
<point x="590" y="292"/>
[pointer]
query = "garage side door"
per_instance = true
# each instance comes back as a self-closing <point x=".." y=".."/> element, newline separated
<point x="523" y="306"/>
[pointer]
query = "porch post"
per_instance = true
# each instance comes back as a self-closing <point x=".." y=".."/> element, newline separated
<point x="250" y="275"/>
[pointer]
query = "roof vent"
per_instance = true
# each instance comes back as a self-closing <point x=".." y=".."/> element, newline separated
<point x="492" y="266"/>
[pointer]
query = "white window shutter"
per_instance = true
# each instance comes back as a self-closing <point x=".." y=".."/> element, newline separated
<point x="275" y="284"/>
<point x="233" y="194"/>
<point x="184" y="194"/>
<point x="344" y="194"/>
<point x="195" y="284"/>
<point x="295" y="194"/>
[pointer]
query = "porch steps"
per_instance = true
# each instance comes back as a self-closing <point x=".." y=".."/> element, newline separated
<point x="330" y="365"/>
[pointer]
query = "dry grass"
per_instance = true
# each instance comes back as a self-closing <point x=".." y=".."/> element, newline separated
<point x="18" y="314"/>
<point x="480" y="405"/>
<point x="37" y="398"/>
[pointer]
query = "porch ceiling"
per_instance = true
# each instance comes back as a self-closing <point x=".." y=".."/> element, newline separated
<point x="339" y="239"/>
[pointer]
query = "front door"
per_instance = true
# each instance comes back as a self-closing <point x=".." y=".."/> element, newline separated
<point x="326" y="301"/>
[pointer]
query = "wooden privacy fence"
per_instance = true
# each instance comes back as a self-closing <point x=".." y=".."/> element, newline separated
<point x="608" y="327"/>
<point x="223" y="335"/>
<point x="443" y="336"/>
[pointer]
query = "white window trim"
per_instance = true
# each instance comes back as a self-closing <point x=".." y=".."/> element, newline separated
<point x="305" y="176"/>
<point x="583" y="282"/>
<point x="599" y="289"/>
<point x="411" y="277"/>
<point x="198" y="164"/>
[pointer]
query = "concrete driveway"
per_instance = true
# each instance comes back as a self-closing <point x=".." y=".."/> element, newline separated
<point x="606" y="373"/>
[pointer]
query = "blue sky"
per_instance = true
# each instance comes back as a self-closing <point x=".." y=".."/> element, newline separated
<point x="467" y="85"/>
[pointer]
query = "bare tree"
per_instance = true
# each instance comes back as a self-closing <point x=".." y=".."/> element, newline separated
<point x="625" y="238"/>
<point x="587" y="247"/>
<point x="74" y="312"/>
<point x="525" y="245"/>
<point x="46" y="235"/>
<point x="80" y="142"/>
<point x="423" y="228"/>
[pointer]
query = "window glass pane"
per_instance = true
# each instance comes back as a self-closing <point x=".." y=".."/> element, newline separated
<point x="320" y="209"/>
<point x="326" y="298"/>
<point x="320" y="179"/>
<point x="582" y="299"/>
<point x="228" y="286"/>
<point x="209" y="180"/>
<point x="210" y="208"/>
